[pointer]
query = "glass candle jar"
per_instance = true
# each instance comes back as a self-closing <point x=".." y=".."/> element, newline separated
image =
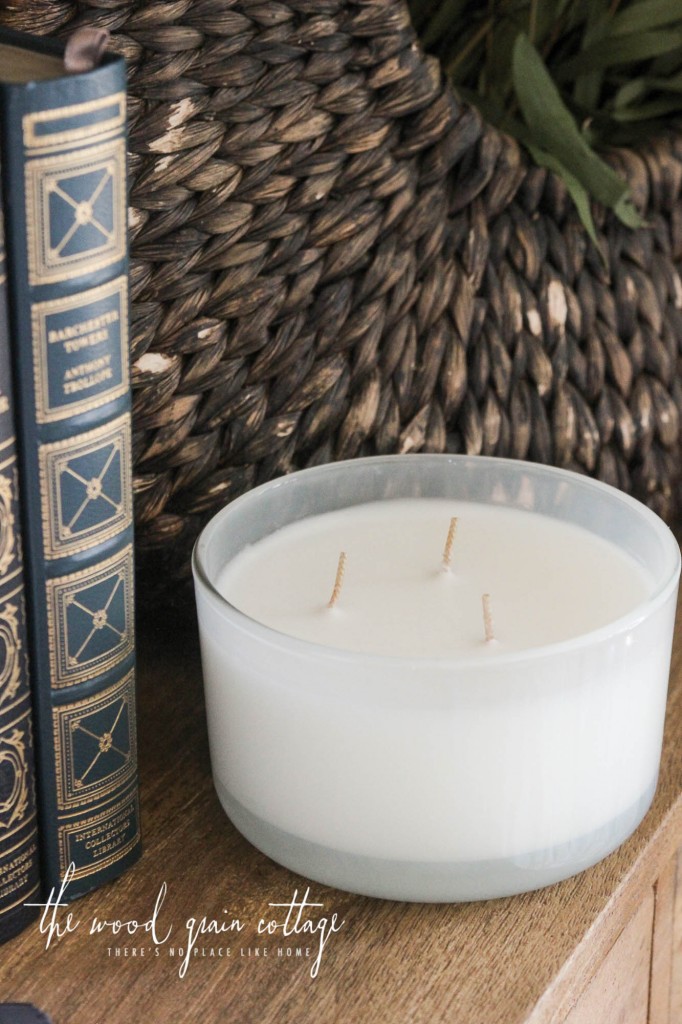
<point x="418" y="769"/>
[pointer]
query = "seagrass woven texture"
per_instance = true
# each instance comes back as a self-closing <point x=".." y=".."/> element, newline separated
<point x="332" y="257"/>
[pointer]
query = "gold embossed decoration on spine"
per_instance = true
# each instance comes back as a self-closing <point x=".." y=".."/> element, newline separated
<point x="70" y="335"/>
<point x="19" y="879"/>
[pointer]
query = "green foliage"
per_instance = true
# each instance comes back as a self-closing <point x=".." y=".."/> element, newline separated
<point x="567" y="78"/>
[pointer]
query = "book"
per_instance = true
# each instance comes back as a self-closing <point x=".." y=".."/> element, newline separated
<point x="22" y="1013"/>
<point x="63" y="158"/>
<point x="19" y="879"/>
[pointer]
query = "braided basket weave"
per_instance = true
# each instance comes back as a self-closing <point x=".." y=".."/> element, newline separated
<point x="332" y="257"/>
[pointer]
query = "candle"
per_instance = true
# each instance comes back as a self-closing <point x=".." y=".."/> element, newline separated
<point x="551" y="580"/>
<point x="364" y="728"/>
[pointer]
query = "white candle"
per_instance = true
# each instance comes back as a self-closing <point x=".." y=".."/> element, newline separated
<point x="549" y="580"/>
<point x="381" y="745"/>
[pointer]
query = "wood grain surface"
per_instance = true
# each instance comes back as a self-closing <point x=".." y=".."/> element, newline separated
<point x="676" y="966"/>
<point x="619" y="989"/>
<point x="529" y="959"/>
<point x="663" y="944"/>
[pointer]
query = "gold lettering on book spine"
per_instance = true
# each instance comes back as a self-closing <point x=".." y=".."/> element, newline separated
<point x="48" y="410"/>
<point x="26" y="849"/>
<point x="117" y="816"/>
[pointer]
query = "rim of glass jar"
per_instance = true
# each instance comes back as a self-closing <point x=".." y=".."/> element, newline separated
<point x="277" y="638"/>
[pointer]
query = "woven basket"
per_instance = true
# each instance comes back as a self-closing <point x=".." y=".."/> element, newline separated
<point x="332" y="257"/>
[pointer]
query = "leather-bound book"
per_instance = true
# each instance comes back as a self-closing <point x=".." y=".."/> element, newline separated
<point x="63" y="156"/>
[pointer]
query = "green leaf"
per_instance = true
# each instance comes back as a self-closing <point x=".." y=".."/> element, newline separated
<point x="462" y="59"/>
<point x="611" y="52"/>
<point x="643" y="88"/>
<point x="667" y="65"/>
<point x="548" y="14"/>
<point x="632" y="90"/>
<point x="576" y="191"/>
<point x="588" y="85"/>
<point x="579" y="12"/>
<point x="498" y="67"/>
<point x="649" y="111"/>
<point x="587" y="89"/>
<point x="645" y="15"/>
<point x="494" y="113"/>
<point x="626" y="211"/>
<point x="671" y="84"/>
<point x="554" y="131"/>
<point x="446" y="15"/>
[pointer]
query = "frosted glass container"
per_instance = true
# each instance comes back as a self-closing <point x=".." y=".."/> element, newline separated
<point x="447" y="777"/>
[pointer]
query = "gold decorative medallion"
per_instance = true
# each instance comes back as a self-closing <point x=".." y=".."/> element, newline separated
<point x="14" y="787"/>
<point x="86" y="488"/>
<point x="91" y="620"/>
<point x="7" y="534"/>
<point x="75" y="212"/>
<point x="11" y="652"/>
<point x="95" y="744"/>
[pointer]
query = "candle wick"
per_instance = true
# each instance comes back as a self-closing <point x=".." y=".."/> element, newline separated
<point x="449" y="543"/>
<point x="338" y="582"/>
<point x="488" y="620"/>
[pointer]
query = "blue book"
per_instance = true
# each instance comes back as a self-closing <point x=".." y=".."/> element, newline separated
<point x="63" y="156"/>
<point x="19" y="879"/>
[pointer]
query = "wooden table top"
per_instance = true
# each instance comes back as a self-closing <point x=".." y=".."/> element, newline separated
<point x="499" y="962"/>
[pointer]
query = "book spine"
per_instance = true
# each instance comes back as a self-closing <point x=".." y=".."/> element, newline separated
<point x="64" y="180"/>
<point x="19" y="878"/>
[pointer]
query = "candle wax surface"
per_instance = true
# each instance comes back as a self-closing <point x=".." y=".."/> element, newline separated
<point x="548" y="581"/>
